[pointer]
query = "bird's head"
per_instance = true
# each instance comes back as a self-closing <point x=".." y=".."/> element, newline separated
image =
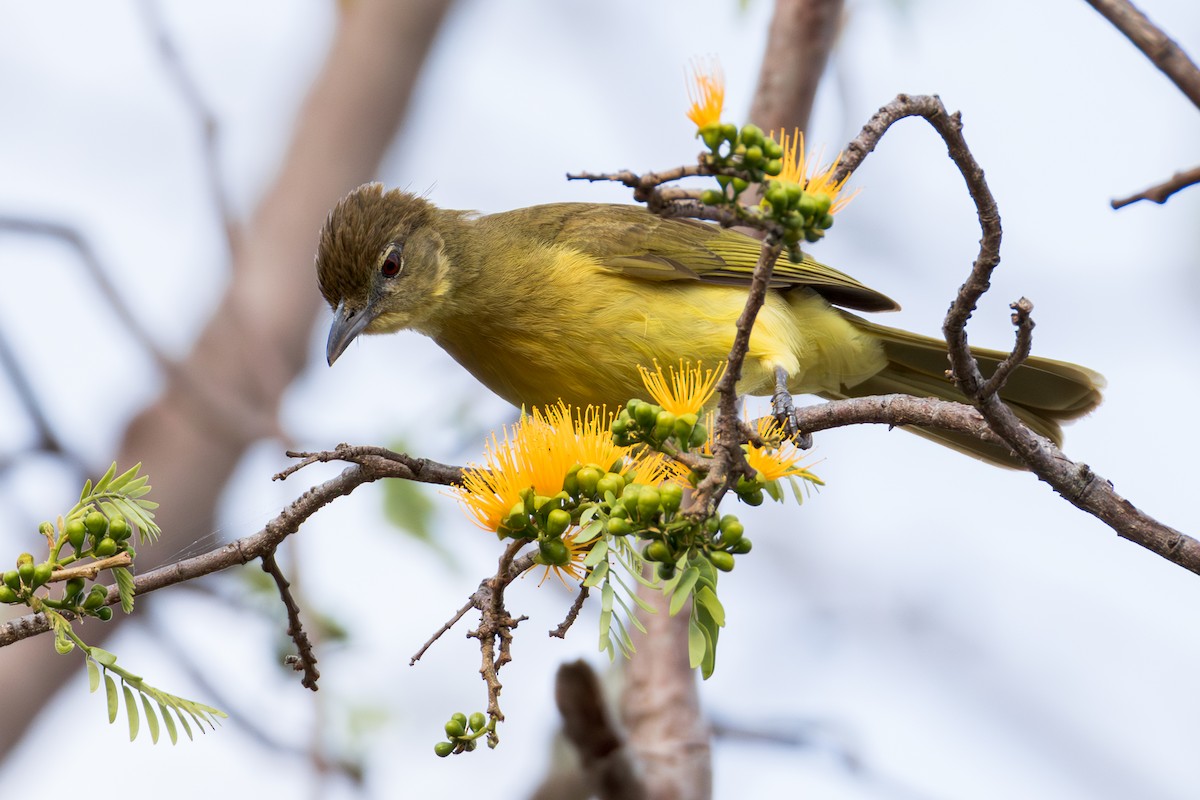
<point x="381" y="264"/>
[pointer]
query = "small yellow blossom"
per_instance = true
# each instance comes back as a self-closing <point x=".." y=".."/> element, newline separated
<point x="707" y="93"/>
<point x="780" y="460"/>
<point x="801" y="168"/>
<point x="537" y="453"/>
<point x="688" y="389"/>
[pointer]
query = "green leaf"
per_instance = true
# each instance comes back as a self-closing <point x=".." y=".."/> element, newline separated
<point x="598" y="553"/>
<point x="684" y="590"/>
<point x="706" y="598"/>
<point x="629" y="615"/>
<point x="103" y="657"/>
<point x="169" y="722"/>
<point x="151" y="719"/>
<point x="773" y="489"/>
<point x="93" y="672"/>
<point x="590" y="531"/>
<point x="597" y="576"/>
<point x="697" y="644"/>
<point x="183" y="721"/>
<point x="110" y="688"/>
<point x="103" y="483"/>
<point x="124" y="587"/>
<point x="131" y="711"/>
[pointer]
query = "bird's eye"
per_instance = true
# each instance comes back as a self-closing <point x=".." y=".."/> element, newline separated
<point x="392" y="263"/>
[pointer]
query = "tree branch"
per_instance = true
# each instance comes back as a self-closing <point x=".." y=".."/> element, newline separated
<point x="1161" y="49"/>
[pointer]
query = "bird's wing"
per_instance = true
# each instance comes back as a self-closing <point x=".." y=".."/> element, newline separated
<point x="633" y="241"/>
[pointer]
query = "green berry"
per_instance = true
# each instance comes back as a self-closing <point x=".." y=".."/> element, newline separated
<point x="41" y="574"/>
<point x="773" y="167"/>
<point x="96" y="598"/>
<point x="443" y="749"/>
<point x="618" y="527"/>
<point x="96" y="523"/>
<point x="721" y="560"/>
<point x="666" y="571"/>
<point x="699" y="436"/>
<point x="588" y="477"/>
<point x="478" y="721"/>
<point x="105" y="547"/>
<point x="664" y="425"/>
<point x="12" y="579"/>
<point x="554" y="552"/>
<point x="648" y="502"/>
<point x="73" y="587"/>
<point x="740" y="184"/>
<point x="671" y="496"/>
<point x="754" y="498"/>
<point x="754" y="155"/>
<point x="7" y="595"/>
<point x="751" y="135"/>
<point x="658" y="551"/>
<point x="118" y="528"/>
<point x="729" y="132"/>
<point x="104" y="613"/>
<point x="712" y="197"/>
<point x="611" y="482"/>
<point x="741" y="547"/>
<point x="456" y="728"/>
<point x="76" y="533"/>
<point x="646" y="414"/>
<point x="26" y="572"/>
<point x="557" y="522"/>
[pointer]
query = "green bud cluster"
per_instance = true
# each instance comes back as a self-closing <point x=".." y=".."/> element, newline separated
<point x="17" y="585"/>
<point x="750" y="490"/>
<point x="748" y="152"/>
<point x="95" y="534"/>
<point x="804" y="216"/>
<point x="462" y="733"/>
<point x="641" y="422"/>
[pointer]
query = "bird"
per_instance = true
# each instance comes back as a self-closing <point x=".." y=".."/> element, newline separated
<point x="563" y="302"/>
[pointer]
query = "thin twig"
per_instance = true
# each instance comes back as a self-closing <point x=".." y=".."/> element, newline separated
<point x="450" y="623"/>
<point x="1023" y="322"/>
<point x="572" y="614"/>
<point x="365" y="469"/>
<point x="306" y="659"/>
<point x="1161" y="49"/>
<point x="1160" y="192"/>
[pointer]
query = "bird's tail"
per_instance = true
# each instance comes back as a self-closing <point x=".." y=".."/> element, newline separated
<point x="1043" y="392"/>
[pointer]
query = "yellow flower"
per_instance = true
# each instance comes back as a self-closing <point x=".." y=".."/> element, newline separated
<point x="779" y="457"/>
<point x="707" y="93"/>
<point x="489" y="492"/>
<point x="797" y="165"/>
<point x="537" y="453"/>
<point x="690" y="388"/>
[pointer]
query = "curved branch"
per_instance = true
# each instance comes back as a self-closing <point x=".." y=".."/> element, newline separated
<point x="1077" y="483"/>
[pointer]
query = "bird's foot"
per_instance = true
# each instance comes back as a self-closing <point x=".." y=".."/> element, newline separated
<point x="784" y="410"/>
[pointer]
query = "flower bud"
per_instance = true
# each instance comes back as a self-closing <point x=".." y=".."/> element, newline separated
<point x="721" y="560"/>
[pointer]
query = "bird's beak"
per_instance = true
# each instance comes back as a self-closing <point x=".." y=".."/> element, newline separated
<point x="347" y="324"/>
